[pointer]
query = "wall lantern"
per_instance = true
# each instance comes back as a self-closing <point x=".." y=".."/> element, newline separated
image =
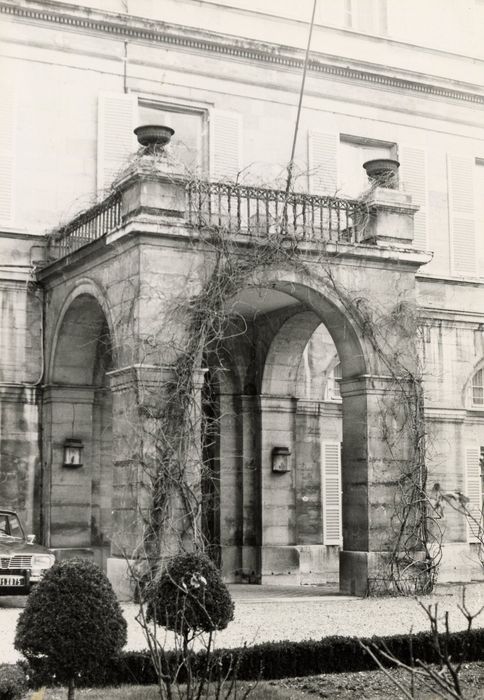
<point x="280" y="459"/>
<point x="73" y="453"/>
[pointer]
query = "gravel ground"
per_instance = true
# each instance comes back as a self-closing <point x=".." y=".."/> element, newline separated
<point x="375" y="685"/>
<point x="264" y="614"/>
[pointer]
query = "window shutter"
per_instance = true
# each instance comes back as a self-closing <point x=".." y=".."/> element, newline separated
<point x="331" y="492"/>
<point x="365" y="20"/>
<point x="322" y="163"/>
<point x="473" y="492"/>
<point x="479" y="213"/>
<point x="225" y="145"/>
<point x="460" y="171"/>
<point x="7" y="134"/>
<point x="117" y="117"/>
<point x="331" y="12"/>
<point x="413" y="175"/>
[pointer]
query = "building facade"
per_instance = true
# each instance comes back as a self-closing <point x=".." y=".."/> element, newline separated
<point x="300" y="380"/>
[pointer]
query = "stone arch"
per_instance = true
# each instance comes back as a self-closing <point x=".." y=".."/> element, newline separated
<point x="77" y="404"/>
<point x="318" y="296"/>
<point x="369" y="471"/>
<point x="82" y="316"/>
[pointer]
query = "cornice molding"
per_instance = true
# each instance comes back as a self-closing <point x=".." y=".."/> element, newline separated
<point x="245" y="49"/>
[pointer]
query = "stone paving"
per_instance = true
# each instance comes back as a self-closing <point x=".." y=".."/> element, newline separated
<point x="264" y="613"/>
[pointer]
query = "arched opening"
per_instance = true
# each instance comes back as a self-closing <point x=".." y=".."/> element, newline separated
<point x="78" y="407"/>
<point x="283" y="417"/>
<point x="302" y="508"/>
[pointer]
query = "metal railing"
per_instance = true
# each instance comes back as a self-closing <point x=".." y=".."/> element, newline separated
<point x="239" y="209"/>
<point x="86" y="227"/>
<point x="256" y="211"/>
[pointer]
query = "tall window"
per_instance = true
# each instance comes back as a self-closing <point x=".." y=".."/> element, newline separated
<point x="479" y="214"/>
<point x="188" y="144"/>
<point x="353" y="152"/>
<point x="478" y="388"/>
<point x="333" y="391"/>
<point x="366" y="16"/>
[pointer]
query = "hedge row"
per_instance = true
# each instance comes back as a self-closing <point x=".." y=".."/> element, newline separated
<point x="272" y="660"/>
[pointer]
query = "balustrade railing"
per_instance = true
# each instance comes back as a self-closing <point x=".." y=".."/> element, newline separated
<point x="256" y="211"/>
<point x="238" y="209"/>
<point x="86" y="227"/>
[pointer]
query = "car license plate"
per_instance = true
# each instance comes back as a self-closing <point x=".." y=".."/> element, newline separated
<point x="12" y="581"/>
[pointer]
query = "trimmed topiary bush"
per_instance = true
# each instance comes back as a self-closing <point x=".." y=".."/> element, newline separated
<point x="73" y="619"/>
<point x="190" y="596"/>
<point x="13" y="682"/>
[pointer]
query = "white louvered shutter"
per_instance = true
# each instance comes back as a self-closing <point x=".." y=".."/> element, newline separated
<point x="331" y="12"/>
<point x="225" y="145"/>
<point x="117" y="115"/>
<point x="331" y="492"/>
<point x="323" y="163"/>
<point x="460" y="174"/>
<point x="363" y="13"/>
<point x="479" y="213"/>
<point x="473" y="492"/>
<point x="413" y="180"/>
<point x="7" y="135"/>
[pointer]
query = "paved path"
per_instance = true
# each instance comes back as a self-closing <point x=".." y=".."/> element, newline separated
<point x="276" y="613"/>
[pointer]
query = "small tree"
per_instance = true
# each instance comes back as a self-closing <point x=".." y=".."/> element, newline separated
<point x="73" y="618"/>
<point x="189" y="598"/>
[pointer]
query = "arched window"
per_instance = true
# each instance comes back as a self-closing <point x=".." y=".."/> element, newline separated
<point x="333" y="391"/>
<point x="478" y="388"/>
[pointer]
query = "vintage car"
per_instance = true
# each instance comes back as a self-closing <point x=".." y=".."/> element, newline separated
<point x="22" y="562"/>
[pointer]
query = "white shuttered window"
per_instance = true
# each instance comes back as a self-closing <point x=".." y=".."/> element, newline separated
<point x="413" y="179"/>
<point x="225" y="145"/>
<point x="473" y="492"/>
<point x="117" y="117"/>
<point x="322" y="162"/>
<point x="7" y="133"/>
<point x="479" y="199"/>
<point x="331" y="492"/>
<point x="460" y="175"/>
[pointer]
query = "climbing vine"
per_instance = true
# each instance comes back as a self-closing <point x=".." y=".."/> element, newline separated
<point x="174" y="416"/>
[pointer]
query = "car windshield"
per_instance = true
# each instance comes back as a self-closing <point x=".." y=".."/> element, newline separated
<point x="10" y="527"/>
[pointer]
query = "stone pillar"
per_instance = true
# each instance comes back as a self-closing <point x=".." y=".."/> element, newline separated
<point x="370" y="471"/>
<point x="139" y="393"/>
<point x="309" y="526"/>
<point x="153" y="194"/>
<point x="251" y="487"/>
<point x="279" y="554"/>
<point x="230" y="460"/>
<point x="102" y="476"/>
<point x="68" y="413"/>
<point x="239" y="487"/>
<point x="390" y="218"/>
<point x="20" y="471"/>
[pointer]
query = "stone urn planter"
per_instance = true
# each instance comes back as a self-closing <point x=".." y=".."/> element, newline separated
<point x="153" y="135"/>
<point x="383" y="172"/>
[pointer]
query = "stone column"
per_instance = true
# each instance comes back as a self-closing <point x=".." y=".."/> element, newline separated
<point x="279" y="554"/>
<point x="239" y="486"/>
<point x="370" y="471"/>
<point x="139" y="395"/>
<point x="230" y="491"/>
<point x="308" y="473"/>
<point x="251" y="487"/>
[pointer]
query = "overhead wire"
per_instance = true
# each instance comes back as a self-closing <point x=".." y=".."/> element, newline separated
<point x="290" y="167"/>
